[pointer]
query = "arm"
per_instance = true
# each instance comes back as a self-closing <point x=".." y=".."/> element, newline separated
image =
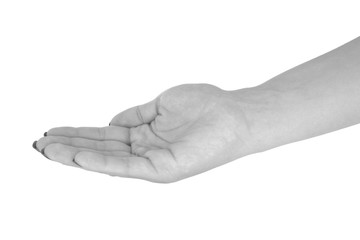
<point x="192" y="128"/>
<point x="314" y="98"/>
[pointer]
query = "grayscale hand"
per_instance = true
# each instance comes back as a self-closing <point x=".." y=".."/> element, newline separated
<point x="193" y="128"/>
<point x="186" y="130"/>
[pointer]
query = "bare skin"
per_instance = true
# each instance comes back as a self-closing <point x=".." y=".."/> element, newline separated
<point x="193" y="128"/>
<point x="165" y="140"/>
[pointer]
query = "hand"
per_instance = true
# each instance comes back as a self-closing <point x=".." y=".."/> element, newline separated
<point x="190" y="129"/>
<point x="186" y="130"/>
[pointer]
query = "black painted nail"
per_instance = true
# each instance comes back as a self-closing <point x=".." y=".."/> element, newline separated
<point x="34" y="146"/>
<point x="43" y="153"/>
<point x="45" y="134"/>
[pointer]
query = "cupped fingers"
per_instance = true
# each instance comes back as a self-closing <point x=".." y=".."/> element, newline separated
<point x="66" y="154"/>
<point x="94" y="133"/>
<point x="127" y="166"/>
<point x="82" y="143"/>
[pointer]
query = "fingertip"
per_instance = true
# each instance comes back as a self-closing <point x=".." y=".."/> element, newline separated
<point x="45" y="134"/>
<point x="34" y="145"/>
<point x="89" y="160"/>
<point x="76" y="159"/>
<point x="43" y="153"/>
<point x="75" y="162"/>
<point x="80" y="159"/>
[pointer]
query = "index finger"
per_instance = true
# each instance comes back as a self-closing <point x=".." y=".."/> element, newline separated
<point x="115" y="133"/>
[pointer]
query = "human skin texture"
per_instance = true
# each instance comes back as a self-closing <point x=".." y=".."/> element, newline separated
<point x="192" y="128"/>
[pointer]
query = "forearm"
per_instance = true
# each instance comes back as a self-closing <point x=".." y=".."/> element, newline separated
<point x="314" y="98"/>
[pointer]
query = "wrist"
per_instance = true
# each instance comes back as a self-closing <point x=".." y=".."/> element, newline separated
<point x="265" y="111"/>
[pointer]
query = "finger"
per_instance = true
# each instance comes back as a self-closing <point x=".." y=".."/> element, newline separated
<point x="131" y="167"/>
<point x="136" y="116"/>
<point x="104" y="133"/>
<point x="83" y="143"/>
<point x="65" y="154"/>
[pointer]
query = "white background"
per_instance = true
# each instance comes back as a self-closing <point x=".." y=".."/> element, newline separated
<point x="78" y="63"/>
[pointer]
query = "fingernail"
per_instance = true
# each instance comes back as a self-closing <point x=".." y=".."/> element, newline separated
<point x="34" y="146"/>
<point x="43" y="153"/>
<point x="109" y="124"/>
<point x="45" y="134"/>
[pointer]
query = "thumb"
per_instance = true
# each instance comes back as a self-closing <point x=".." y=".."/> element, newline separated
<point x="136" y="116"/>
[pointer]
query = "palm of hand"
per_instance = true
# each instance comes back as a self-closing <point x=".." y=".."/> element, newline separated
<point x="185" y="131"/>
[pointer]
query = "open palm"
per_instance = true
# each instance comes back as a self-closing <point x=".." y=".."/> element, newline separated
<point x="185" y="131"/>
